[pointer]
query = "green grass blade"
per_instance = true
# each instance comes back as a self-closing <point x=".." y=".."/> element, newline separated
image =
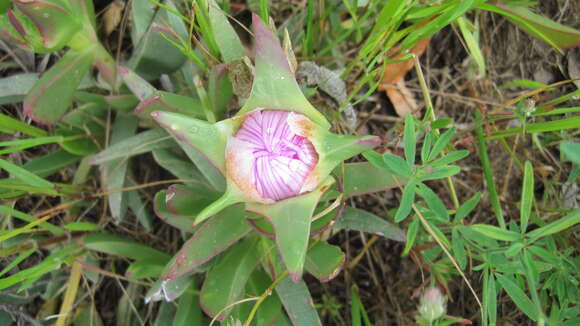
<point x="10" y="125"/>
<point x="531" y="128"/>
<point x="20" y="230"/>
<point x="21" y="257"/>
<point x="488" y="172"/>
<point x="26" y="176"/>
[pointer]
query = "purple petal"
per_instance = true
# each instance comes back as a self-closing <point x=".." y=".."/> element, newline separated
<point x="269" y="158"/>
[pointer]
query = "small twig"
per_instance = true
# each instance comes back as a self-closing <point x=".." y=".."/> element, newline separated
<point x="146" y="185"/>
<point x="263" y="297"/>
<point x="360" y="255"/>
<point x="430" y="231"/>
<point x="230" y="306"/>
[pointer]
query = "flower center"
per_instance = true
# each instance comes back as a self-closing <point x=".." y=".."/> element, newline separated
<point x="281" y="159"/>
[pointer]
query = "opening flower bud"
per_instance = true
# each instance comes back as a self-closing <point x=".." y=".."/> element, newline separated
<point x="270" y="158"/>
<point x="432" y="304"/>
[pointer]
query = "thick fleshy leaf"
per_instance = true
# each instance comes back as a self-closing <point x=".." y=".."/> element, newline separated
<point x="189" y="200"/>
<point x="139" y="207"/>
<point x="84" y="117"/>
<point x="113" y="173"/>
<point x="363" y="178"/>
<point x="168" y="290"/>
<point x="225" y="36"/>
<point x="358" y="220"/>
<point x="146" y="268"/>
<point x="179" y="221"/>
<point x="324" y="261"/>
<point x="178" y="164"/>
<point x="126" y="102"/>
<point x="291" y="220"/>
<point x="274" y="86"/>
<point x="11" y="30"/>
<point x="42" y="104"/>
<point x="156" y="52"/>
<point x="263" y="227"/>
<point x="225" y="282"/>
<point x="188" y="310"/>
<point x="138" y="86"/>
<point x="14" y="88"/>
<point x="205" y="166"/>
<point x="142" y="14"/>
<point x="138" y="144"/>
<point x="209" y="139"/>
<point x="212" y="238"/>
<point x="334" y="149"/>
<point x="165" y="101"/>
<point x="322" y="223"/>
<point x="156" y="55"/>
<point x="55" y="23"/>
<point x="115" y="245"/>
<point x="298" y="303"/>
<point x="219" y="91"/>
<point x="78" y="143"/>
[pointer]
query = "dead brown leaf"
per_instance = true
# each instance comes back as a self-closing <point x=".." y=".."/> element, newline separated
<point x="402" y="98"/>
<point x="393" y="82"/>
<point x="112" y="16"/>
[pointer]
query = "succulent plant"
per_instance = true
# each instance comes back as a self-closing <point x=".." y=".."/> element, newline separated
<point x="51" y="25"/>
<point x="276" y="153"/>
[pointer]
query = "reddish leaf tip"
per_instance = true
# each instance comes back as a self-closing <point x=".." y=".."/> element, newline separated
<point x="122" y="70"/>
<point x="372" y="142"/>
<point x="29" y="113"/>
<point x="205" y="309"/>
<point x="15" y="23"/>
<point x="146" y="103"/>
<point x="170" y="276"/>
<point x="93" y="160"/>
<point x="267" y="46"/>
<point x="296" y="277"/>
<point x="256" y="19"/>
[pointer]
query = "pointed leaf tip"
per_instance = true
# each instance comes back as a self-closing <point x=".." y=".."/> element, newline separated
<point x="267" y="46"/>
<point x="296" y="276"/>
<point x="122" y="69"/>
<point x="15" y="23"/>
<point x="371" y="142"/>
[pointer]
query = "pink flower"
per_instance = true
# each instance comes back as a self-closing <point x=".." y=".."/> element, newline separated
<point x="270" y="158"/>
<point x="432" y="304"/>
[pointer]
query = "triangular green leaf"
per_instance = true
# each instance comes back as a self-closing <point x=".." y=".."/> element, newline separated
<point x="291" y="219"/>
<point x="274" y="86"/>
